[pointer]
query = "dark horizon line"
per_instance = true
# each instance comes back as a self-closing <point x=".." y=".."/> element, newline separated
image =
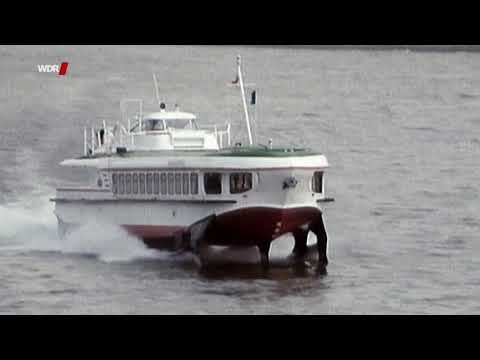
<point x="420" y="48"/>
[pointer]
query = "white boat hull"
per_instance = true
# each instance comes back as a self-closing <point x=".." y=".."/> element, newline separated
<point x="263" y="215"/>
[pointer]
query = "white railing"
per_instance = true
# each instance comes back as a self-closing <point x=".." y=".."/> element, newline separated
<point x="94" y="142"/>
<point x="123" y="109"/>
<point x="119" y="136"/>
<point x="221" y="134"/>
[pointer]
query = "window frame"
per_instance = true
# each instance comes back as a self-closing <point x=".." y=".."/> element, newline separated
<point x="156" y="183"/>
<point x="178" y="183"/>
<point x="185" y="184"/>
<point x="121" y="183"/>
<point x="114" y="183"/>
<point x="163" y="183"/>
<point x="194" y="183"/>
<point x="142" y="184"/>
<point x="128" y="183"/>
<point x="315" y="182"/>
<point x="243" y="190"/>
<point x="149" y="183"/>
<point x="170" y="183"/>
<point x="135" y="182"/>
<point x="205" y="181"/>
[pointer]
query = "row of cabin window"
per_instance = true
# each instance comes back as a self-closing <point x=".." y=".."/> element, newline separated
<point x="177" y="183"/>
<point x="239" y="183"/>
<point x="155" y="183"/>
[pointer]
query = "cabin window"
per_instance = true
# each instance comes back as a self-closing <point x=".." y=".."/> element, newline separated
<point x="149" y="183"/>
<point x="163" y="183"/>
<point x="173" y="183"/>
<point x="178" y="124"/>
<point x="141" y="178"/>
<point x="213" y="183"/>
<point x="114" y="183"/>
<point x="194" y="184"/>
<point x="240" y="183"/>
<point x="178" y="184"/>
<point x="156" y="183"/>
<point x="170" y="182"/>
<point x="185" y="184"/>
<point x="317" y="183"/>
<point x="128" y="183"/>
<point x="121" y="184"/>
<point x="135" y="183"/>
<point x="153" y="125"/>
<point x="106" y="180"/>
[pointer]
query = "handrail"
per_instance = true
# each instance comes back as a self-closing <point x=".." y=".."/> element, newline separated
<point x="119" y="136"/>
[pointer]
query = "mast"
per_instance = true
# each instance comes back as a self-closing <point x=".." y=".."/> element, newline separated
<point x="156" y="88"/>
<point x="240" y="79"/>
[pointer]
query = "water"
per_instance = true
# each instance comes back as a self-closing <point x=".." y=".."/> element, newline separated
<point x="401" y="130"/>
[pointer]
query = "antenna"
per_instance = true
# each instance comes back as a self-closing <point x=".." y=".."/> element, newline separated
<point x="240" y="79"/>
<point x="156" y="87"/>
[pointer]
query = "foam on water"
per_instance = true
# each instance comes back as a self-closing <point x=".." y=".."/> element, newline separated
<point x="33" y="227"/>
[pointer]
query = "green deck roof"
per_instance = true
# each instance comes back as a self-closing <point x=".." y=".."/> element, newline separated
<point x="244" y="151"/>
<point x="259" y="151"/>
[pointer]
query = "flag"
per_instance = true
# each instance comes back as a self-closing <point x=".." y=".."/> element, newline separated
<point x="254" y="98"/>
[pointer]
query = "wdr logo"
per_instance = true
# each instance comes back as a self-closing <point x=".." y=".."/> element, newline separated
<point x="61" y="70"/>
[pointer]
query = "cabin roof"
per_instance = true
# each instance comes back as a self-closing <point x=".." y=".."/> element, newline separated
<point x="248" y="151"/>
<point x="170" y="115"/>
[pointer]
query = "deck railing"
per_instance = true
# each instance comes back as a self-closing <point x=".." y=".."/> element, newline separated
<point x="106" y="138"/>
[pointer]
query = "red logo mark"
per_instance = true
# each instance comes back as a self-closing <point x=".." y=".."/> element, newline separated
<point x="63" y="69"/>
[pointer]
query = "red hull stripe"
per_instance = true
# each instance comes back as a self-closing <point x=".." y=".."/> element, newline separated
<point x="152" y="231"/>
<point x="251" y="225"/>
<point x="243" y="227"/>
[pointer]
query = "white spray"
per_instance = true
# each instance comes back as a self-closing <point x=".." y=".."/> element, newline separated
<point x="33" y="227"/>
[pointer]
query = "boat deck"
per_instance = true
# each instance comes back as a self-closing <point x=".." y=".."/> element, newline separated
<point x="251" y="151"/>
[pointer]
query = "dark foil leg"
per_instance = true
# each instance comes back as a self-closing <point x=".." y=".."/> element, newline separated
<point x="319" y="230"/>
<point x="301" y="237"/>
<point x="264" y="248"/>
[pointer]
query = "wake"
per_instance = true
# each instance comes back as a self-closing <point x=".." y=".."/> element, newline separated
<point x="32" y="226"/>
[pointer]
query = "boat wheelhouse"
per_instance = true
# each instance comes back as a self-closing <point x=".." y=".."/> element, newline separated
<point x="177" y="185"/>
